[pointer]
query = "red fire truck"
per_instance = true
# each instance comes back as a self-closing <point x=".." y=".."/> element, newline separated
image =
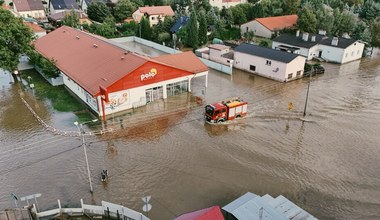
<point x="225" y="110"/>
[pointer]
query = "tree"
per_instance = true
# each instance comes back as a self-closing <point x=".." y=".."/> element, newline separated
<point x="347" y="23"/>
<point x="129" y="28"/>
<point x="123" y="10"/>
<point x="15" y="39"/>
<point x="71" y="19"/>
<point x="370" y="10"/>
<point x="145" y="29"/>
<point x="107" y="29"/>
<point x="325" y="20"/>
<point x="227" y="16"/>
<point x="238" y="14"/>
<point x="192" y="31"/>
<point x="202" y="28"/>
<point x="307" y="20"/>
<point x="211" y="17"/>
<point x="1" y="2"/>
<point x="290" y="6"/>
<point x="98" y="11"/>
<point x="375" y="33"/>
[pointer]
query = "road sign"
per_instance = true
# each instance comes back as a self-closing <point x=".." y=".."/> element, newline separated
<point x="146" y="207"/>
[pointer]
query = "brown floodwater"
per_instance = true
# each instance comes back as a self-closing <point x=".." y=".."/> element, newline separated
<point x="328" y="165"/>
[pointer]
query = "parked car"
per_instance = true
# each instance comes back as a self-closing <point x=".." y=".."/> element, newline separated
<point x="313" y="69"/>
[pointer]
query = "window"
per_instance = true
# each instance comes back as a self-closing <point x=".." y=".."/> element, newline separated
<point x="246" y="29"/>
<point x="298" y="73"/>
<point x="346" y="55"/>
<point x="290" y="75"/>
<point x="269" y="62"/>
<point x="252" y="68"/>
<point x="357" y="53"/>
<point x="352" y="53"/>
<point x="152" y="18"/>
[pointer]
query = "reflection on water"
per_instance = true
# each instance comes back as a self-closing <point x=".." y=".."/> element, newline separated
<point x="327" y="165"/>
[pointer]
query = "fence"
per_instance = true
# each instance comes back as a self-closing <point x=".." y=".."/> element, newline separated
<point x="107" y="209"/>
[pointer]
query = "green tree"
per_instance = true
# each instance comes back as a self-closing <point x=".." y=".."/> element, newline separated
<point x="71" y="19"/>
<point x="258" y="11"/>
<point x="15" y="39"/>
<point x="211" y="17"/>
<point x="145" y="29"/>
<point x="202" y="28"/>
<point x="290" y="6"/>
<point x="239" y="15"/>
<point x="325" y="20"/>
<point x="98" y="11"/>
<point x="227" y="16"/>
<point x="1" y="2"/>
<point x="123" y="10"/>
<point x="370" y="10"/>
<point x="249" y="36"/>
<point x="307" y="20"/>
<point x="107" y="29"/>
<point x="347" y="23"/>
<point x="375" y="33"/>
<point x="192" y="37"/>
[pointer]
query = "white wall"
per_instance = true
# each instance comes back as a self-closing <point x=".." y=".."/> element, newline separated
<point x="257" y="29"/>
<point x="296" y="65"/>
<point x="306" y="52"/>
<point x="38" y="14"/>
<point x="276" y="70"/>
<point x="220" y="3"/>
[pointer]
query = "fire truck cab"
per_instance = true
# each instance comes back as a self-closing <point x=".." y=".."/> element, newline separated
<point x="225" y="110"/>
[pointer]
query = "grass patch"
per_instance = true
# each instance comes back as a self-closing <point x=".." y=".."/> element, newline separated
<point x="60" y="98"/>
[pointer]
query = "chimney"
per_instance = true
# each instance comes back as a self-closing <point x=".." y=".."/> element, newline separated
<point x="313" y="38"/>
<point x="334" y="41"/>
<point x="95" y="45"/>
<point x="322" y="32"/>
<point x="305" y="36"/>
<point x="298" y="33"/>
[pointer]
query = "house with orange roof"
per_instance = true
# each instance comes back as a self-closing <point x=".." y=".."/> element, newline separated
<point x="29" y="9"/>
<point x="266" y="27"/>
<point x="153" y="13"/>
<point x="109" y="78"/>
<point x="226" y="3"/>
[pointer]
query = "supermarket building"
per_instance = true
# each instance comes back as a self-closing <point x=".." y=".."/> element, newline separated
<point x="109" y="78"/>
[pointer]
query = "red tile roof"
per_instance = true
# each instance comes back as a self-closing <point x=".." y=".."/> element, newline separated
<point x="279" y="22"/>
<point x="185" y="61"/>
<point x="92" y="62"/>
<point x="88" y="60"/>
<point x="157" y="10"/>
<point x="35" y="27"/>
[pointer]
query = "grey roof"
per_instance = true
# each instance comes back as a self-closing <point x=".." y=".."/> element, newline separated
<point x="319" y="39"/>
<point x="268" y="53"/>
<point x="251" y="206"/>
<point x="88" y="2"/>
<point x="64" y="4"/>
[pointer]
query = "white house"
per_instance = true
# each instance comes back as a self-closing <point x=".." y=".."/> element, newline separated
<point x="29" y="9"/>
<point x="331" y="49"/>
<point x="225" y="3"/>
<point x="266" y="27"/>
<point x="217" y="53"/>
<point x="153" y="13"/>
<point x="270" y="63"/>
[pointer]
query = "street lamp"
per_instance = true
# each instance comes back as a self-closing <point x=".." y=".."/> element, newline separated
<point x="308" y="88"/>
<point x="81" y="131"/>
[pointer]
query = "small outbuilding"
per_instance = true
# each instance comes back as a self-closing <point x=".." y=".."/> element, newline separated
<point x="270" y="63"/>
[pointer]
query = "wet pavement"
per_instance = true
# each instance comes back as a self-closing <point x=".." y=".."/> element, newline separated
<point x="327" y="165"/>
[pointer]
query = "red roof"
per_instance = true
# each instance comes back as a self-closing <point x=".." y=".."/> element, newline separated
<point x="35" y="27"/>
<point x="157" y="10"/>
<point x="212" y="213"/>
<point x="279" y="22"/>
<point x="185" y="61"/>
<point x="92" y="62"/>
<point x="28" y="5"/>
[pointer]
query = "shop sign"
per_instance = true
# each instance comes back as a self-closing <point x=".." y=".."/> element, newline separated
<point x="152" y="73"/>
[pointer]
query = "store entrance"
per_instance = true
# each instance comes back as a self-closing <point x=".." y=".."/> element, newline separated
<point x="154" y="94"/>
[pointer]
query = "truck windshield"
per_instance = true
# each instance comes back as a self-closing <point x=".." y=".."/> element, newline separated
<point x="209" y="110"/>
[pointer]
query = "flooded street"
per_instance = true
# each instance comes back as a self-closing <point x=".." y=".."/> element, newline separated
<point x="328" y="165"/>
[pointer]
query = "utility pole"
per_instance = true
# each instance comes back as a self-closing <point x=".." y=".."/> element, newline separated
<point x="308" y="88"/>
<point x="81" y="131"/>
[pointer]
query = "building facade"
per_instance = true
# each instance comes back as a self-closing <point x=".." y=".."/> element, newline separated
<point x="29" y="9"/>
<point x="110" y="79"/>
<point x="226" y="3"/>
<point x="153" y="13"/>
<point x="332" y="49"/>
<point x="266" y="27"/>
<point x="274" y="64"/>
